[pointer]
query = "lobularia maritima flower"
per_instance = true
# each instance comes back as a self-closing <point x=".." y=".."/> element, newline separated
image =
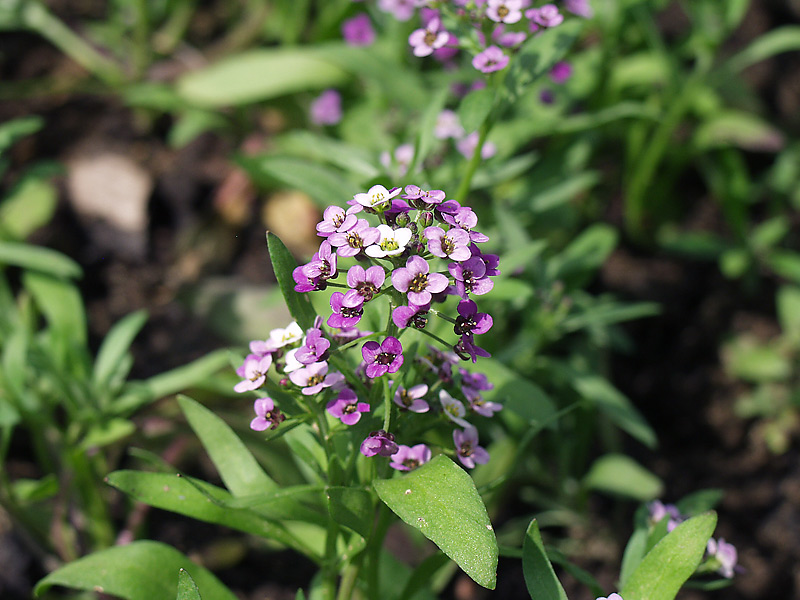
<point x="427" y="248"/>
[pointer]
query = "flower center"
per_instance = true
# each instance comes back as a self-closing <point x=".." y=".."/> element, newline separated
<point x="448" y="245"/>
<point x="366" y="290"/>
<point x="315" y="379"/>
<point x="405" y="398"/>
<point x="385" y="358"/>
<point x="389" y="244"/>
<point x="502" y="11"/>
<point x="349" y="409"/>
<point x="338" y="219"/>
<point x="419" y="283"/>
<point x="466" y="449"/>
<point x="452" y="409"/>
<point x="275" y="418"/>
<point x="352" y="312"/>
<point x="377" y="198"/>
<point x="411" y="463"/>
<point x="419" y="320"/>
<point x="430" y="38"/>
<point x="256" y="375"/>
<point x="354" y="240"/>
<point x="464" y="325"/>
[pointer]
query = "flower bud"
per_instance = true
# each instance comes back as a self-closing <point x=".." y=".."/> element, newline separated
<point x="402" y="219"/>
<point x="425" y="219"/>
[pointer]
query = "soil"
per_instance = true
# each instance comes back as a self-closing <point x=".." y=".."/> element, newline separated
<point x="675" y="377"/>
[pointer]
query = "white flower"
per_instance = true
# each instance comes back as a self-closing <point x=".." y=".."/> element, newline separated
<point x="377" y="197"/>
<point x="391" y="242"/>
<point x="292" y="364"/>
<point x="281" y="337"/>
<point x="453" y="409"/>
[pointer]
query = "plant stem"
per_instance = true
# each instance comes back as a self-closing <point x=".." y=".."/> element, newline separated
<point x="474" y="162"/>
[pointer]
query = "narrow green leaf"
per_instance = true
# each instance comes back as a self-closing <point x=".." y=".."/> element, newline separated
<point x="672" y="561"/>
<point x="28" y="206"/>
<point x="187" y="588"/>
<point x="115" y="346"/>
<point x="475" y="108"/>
<point x="142" y="570"/>
<point x="258" y="75"/>
<point x="633" y="555"/>
<point x="785" y="263"/>
<point x="237" y="467"/>
<point x="61" y="304"/>
<point x="13" y="130"/>
<point x="320" y="148"/>
<point x="351" y="507"/>
<point x="586" y="253"/>
<point x="40" y="259"/>
<point x="538" y="55"/>
<point x="425" y="139"/>
<point x="186" y="376"/>
<point x="540" y="578"/>
<point x="740" y="129"/>
<point x="440" y="500"/>
<point x="106" y="433"/>
<point x="283" y="263"/>
<point x="621" y="475"/>
<point x="788" y="304"/>
<point x="777" y="41"/>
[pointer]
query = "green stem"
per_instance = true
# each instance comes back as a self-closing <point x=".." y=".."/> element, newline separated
<point x="38" y="18"/>
<point x="141" y="35"/>
<point x="474" y="162"/>
<point x="349" y="579"/>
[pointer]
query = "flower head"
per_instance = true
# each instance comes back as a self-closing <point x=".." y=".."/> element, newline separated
<point x="411" y="315"/>
<point x="490" y="60"/>
<point x="315" y="377"/>
<point x="377" y="197"/>
<point x="580" y="8"/>
<point x="346" y="407"/>
<point x="267" y="416"/>
<point x="432" y="37"/>
<point x="384" y="358"/>
<point x="346" y="311"/>
<point x="453" y="409"/>
<point x="546" y="15"/>
<point x="358" y="31"/>
<point x="253" y="372"/>
<point x="467" y="448"/>
<point x="379" y="442"/>
<point x="725" y="554"/>
<point x="353" y="241"/>
<point x="326" y="109"/>
<point x="411" y="399"/>
<point x="504" y="11"/>
<point x="561" y="72"/>
<point x="416" y="280"/>
<point x="402" y="10"/>
<point x="452" y="244"/>
<point x="391" y="242"/>
<point x="447" y="125"/>
<point x="336" y="220"/>
<point x="365" y="283"/>
<point x="613" y="596"/>
<point x="408" y="458"/>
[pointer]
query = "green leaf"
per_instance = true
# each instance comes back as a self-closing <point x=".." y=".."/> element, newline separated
<point x="184" y="377"/>
<point x="187" y="588"/>
<point x="672" y="561"/>
<point x="634" y="553"/>
<point x="237" y="467"/>
<point x="475" y="108"/>
<point x="193" y="123"/>
<point x="351" y="507"/>
<point x="323" y="184"/>
<point x="777" y="41"/>
<point x="283" y="263"/>
<point x="115" y="346"/>
<point x="425" y="140"/>
<point x="26" y="491"/>
<point x="13" y="130"/>
<point x="30" y="205"/>
<point x="142" y="570"/>
<point x="615" y="406"/>
<point x="40" y="259"/>
<point x="258" y="75"/>
<point x="320" y="148"/>
<point x="788" y="303"/>
<point x="440" y="500"/>
<point x="61" y="304"/>
<point x="106" y="433"/>
<point x="740" y="129"/>
<point x="621" y="475"/>
<point x="540" y="578"/>
<point x="539" y="53"/>
<point x="746" y="358"/>
<point x="586" y="253"/>
<point x="786" y="264"/>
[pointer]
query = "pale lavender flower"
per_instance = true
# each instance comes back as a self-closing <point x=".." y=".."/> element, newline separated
<point x="416" y="280"/>
<point x="386" y="357"/>
<point x="725" y="554"/>
<point x="453" y="244"/>
<point x="354" y="240"/>
<point x="504" y="11"/>
<point x="453" y="409"/>
<point x="466" y="146"/>
<point x="365" y="283"/>
<point x="326" y="109"/>
<point x="315" y="377"/>
<point x="358" y="31"/>
<point x="613" y="596"/>
<point x="485" y="408"/>
<point x="346" y="407"/>
<point x="411" y="399"/>
<point x="413" y="192"/>
<point x="490" y="60"/>
<point x="447" y="126"/>
<point x="408" y="458"/>
<point x="467" y="448"/>
<point x="336" y="220"/>
<point x="508" y="39"/>
<point x="267" y="416"/>
<point x="411" y="315"/>
<point x="580" y="8"/>
<point x="546" y="15"/>
<point x="314" y="348"/>
<point x="379" y="443"/>
<point x="432" y="37"/>
<point x="402" y="10"/>
<point x="346" y="311"/>
<point x="391" y="243"/>
<point x="403" y="155"/>
<point x="283" y="337"/>
<point x="253" y="372"/>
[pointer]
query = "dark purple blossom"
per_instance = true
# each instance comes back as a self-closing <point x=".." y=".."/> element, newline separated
<point x="467" y="448"/>
<point x="411" y="316"/>
<point x="467" y="349"/>
<point x="267" y="416"/>
<point x="546" y="15"/>
<point x="358" y="31"/>
<point x="253" y="372"/>
<point x="470" y="321"/>
<point x="384" y="358"/>
<point x="346" y="311"/>
<point x="379" y="442"/>
<point x="416" y="280"/>
<point x="561" y="72"/>
<point x="470" y="277"/>
<point x="347" y="408"/>
<point x="408" y="458"/>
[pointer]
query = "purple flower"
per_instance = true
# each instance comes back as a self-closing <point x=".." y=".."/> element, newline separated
<point x="453" y="409"/>
<point x="466" y="146"/>
<point x="470" y="321"/>
<point x="346" y="311"/>
<point x="323" y="263"/>
<point x="448" y="51"/>
<point x="411" y="315"/>
<point x="504" y="11"/>
<point x="403" y="155"/>
<point x="379" y="442"/>
<point x="402" y="10"/>
<point x="561" y="72"/>
<point x="314" y="378"/>
<point x="447" y="126"/>
<point x="411" y="399"/>
<point x="358" y="31"/>
<point x="349" y="334"/>
<point x="365" y="283"/>
<point x="335" y="220"/>
<point x="467" y="349"/>
<point x="580" y="8"/>
<point x="492" y="261"/>
<point x="658" y="511"/>
<point x="466" y="219"/>
<point x="408" y="458"/>
<point x="253" y="372"/>
<point x="547" y="15"/>
<point x="314" y="348"/>
<point x="384" y="358"/>
<point x="467" y="448"/>
<point x="351" y="242"/>
<point x="725" y="554"/>
<point x="508" y="39"/>
<point x="490" y="60"/>
<point x="475" y="381"/>
<point x="414" y="192"/>
<point x="481" y="406"/>
<point x="267" y="416"/>
<point x="326" y="109"/>
<point x="453" y="244"/>
<point x="470" y="276"/>
<point x="430" y="38"/>
<point x="347" y="408"/>
<point x="416" y="280"/>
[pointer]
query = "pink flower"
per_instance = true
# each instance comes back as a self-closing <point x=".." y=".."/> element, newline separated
<point x="453" y="244"/>
<point x="326" y="109"/>
<point x="425" y="41"/>
<point x="408" y="458"/>
<point x="411" y="399"/>
<point x="358" y="31"/>
<point x="335" y="220"/>
<point x="347" y="408"/>
<point x="384" y="358"/>
<point x="267" y="416"/>
<point x="253" y="372"/>
<point x="466" y="146"/>
<point x="547" y="15"/>
<point x="490" y="60"/>
<point x="415" y="280"/>
<point x="561" y="72"/>
<point x="467" y="448"/>
<point x="504" y="11"/>
<point x="580" y="8"/>
<point x="402" y="10"/>
<point x="315" y="377"/>
<point x="379" y="442"/>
